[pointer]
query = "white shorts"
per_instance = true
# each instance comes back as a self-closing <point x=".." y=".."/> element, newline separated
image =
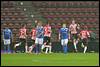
<point x="39" y="41"/>
<point x="64" y="41"/>
<point x="6" y="41"/>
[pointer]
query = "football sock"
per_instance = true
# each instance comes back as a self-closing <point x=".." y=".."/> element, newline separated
<point x="42" y="47"/>
<point x="26" y="48"/>
<point x="85" y="48"/>
<point x="46" y="49"/>
<point x="75" y="46"/>
<point x="36" y="48"/>
<point x="50" y="49"/>
<point x="64" y="48"/>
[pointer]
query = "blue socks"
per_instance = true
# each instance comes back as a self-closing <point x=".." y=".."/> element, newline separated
<point x="38" y="48"/>
<point x="65" y="49"/>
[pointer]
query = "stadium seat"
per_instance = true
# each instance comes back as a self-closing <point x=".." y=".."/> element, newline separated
<point x="55" y="12"/>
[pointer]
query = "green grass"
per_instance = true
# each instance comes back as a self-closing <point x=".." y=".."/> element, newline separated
<point x="54" y="59"/>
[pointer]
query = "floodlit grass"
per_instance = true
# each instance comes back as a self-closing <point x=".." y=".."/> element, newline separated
<point x="54" y="59"/>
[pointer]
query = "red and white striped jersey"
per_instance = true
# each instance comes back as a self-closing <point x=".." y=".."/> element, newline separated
<point x="22" y="33"/>
<point x="84" y="34"/>
<point x="73" y="28"/>
<point x="33" y="34"/>
<point x="47" y="31"/>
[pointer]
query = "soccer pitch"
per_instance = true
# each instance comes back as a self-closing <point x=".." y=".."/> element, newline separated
<point x="53" y="59"/>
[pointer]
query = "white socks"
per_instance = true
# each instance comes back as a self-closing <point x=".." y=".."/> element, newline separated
<point x="42" y="47"/>
<point x="30" y="48"/>
<point x="85" y="48"/>
<point x="76" y="41"/>
<point x="82" y="45"/>
<point x="26" y="49"/>
<point x="46" y="50"/>
<point x="75" y="46"/>
<point x="17" y="44"/>
<point x="50" y="49"/>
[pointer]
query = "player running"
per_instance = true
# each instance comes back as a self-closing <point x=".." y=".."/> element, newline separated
<point x="84" y="34"/>
<point x="73" y="28"/>
<point x="7" y="36"/>
<point x="39" y="37"/>
<point x="64" y="35"/>
<point x="22" y="37"/>
<point x="47" y="36"/>
<point x="33" y="37"/>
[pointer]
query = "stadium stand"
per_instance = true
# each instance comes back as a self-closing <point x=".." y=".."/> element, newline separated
<point x="15" y="13"/>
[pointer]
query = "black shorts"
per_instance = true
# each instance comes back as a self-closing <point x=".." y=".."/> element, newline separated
<point x="85" y="41"/>
<point x="31" y="42"/>
<point x="74" y="36"/>
<point x="23" y="41"/>
<point x="47" y="40"/>
<point x="78" y="32"/>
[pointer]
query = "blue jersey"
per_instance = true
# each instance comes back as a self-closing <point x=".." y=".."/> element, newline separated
<point x="39" y="32"/>
<point x="7" y="33"/>
<point x="64" y="33"/>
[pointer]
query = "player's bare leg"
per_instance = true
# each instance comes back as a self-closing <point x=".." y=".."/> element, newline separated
<point x="31" y="48"/>
<point x="17" y="45"/>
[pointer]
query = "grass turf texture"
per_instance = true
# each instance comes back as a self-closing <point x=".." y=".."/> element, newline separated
<point x="54" y="59"/>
